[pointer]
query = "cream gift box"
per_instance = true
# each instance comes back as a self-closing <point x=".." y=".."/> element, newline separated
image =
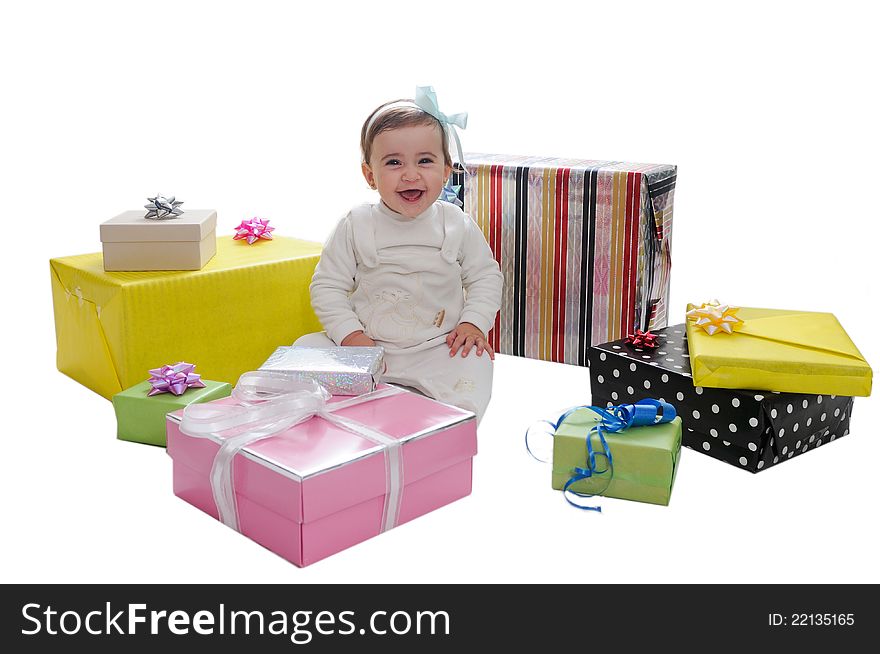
<point x="132" y="242"/>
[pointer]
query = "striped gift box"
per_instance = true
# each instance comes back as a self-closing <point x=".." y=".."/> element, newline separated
<point x="583" y="246"/>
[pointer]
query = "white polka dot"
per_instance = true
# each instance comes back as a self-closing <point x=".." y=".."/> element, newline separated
<point x="615" y="372"/>
<point x="773" y="413"/>
<point x="696" y="414"/>
<point x="836" y="412"/>
<point x="610" y="404"/>
<point x="706" y="445"/>
<point x="623" y="354"/>
<point x="735" y="402"/>
<point x="714" y="432"/>
<point x="662" y="399"/>
<point x="781" y="433"/>
<point x="843" y="417"/>
<point x="671" y="360"/>
<point x="678" y="349"/>
<point x="664" y="378"/>
<point x="614" y="395"/>
<point x="833" y="397"/>
<point x="760" y="464"/>
<point x="797" y="445"/>
<point x="616" y="347"/>
<point x="679" y="396"/>
<point x="789" y="408"/>
<point x="645" y="356"/>
<point x="686" y="356"/>
<point x="630" y="390"/>
<point x="753" y="422"/>
<point x="647" y="384"/>
<point x="686" y="374"/>
<point x="806" y="447"/>
<point x="805" y="404"/>
<point x="732" y="428"/>
<point x="698" y="390"/>
<point x="677" y="331"/>
<point x="796" y="426"/>
<point x="790" y="454"/>
<point x="809" y="421"/>
<point x="784" y="450"/>
<point x="638" y="349"/>
<point x="715" y="408"/>
<point x="822" y="417"/>
<point x="600" y="379"/>
<point x="743" y="460"/>
<point x="812" y="438"/>
<point x="775" y="459"/>
<point x="819" y="400"/>
<point x="753" y="447"/>
<point x="759" y="397"/>
<point x="677" y="367"/>
<point x="654" y="363"/>
<point x="663" y="354"/>
<point x="726" y="443"/>
<point x="602" y="356"/>
<point x="632" y="367"/>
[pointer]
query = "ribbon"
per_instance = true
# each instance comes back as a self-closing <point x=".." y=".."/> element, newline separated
<point x="642" y="339"/>
<point x="162" y="208"/>
<point x="612" y="420"/>
<point x="269" y="403"/>
<point x="449" y="194"/>
<point x="174" y="379"/>
<point x="426" y="100"/>
<point x="253" y="230"/>
<point x="714" y="317"/>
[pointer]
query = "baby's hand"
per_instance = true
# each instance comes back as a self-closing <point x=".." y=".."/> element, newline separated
<point x="466" y="336"/>
<point x="358" y="338"/>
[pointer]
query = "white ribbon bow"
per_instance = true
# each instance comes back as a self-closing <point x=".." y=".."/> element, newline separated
<point x="269" y="403"/>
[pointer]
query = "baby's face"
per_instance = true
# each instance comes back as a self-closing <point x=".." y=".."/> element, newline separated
<point x="408" y="168"/>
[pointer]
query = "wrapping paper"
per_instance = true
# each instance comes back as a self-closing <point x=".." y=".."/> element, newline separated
<point x="750" y="429"/>
<point x="229" y="316"/>
<point x="132" y="242"/>
<point x="584" y="247"/>
<point x="316" y="488"/>
<point x="645" y="459"/>
<point x="786" y="351"/>
<point x="141" y="419"/>
<point x="341" y="370"/>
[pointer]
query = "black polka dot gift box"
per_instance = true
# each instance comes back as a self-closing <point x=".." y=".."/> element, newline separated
<point x="752" y="430"/>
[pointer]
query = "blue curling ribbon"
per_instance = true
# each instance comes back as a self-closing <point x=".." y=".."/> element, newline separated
<point x="612" y="420"/>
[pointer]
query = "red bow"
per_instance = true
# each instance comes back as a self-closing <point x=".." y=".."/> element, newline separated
<point x="642" y="339"/>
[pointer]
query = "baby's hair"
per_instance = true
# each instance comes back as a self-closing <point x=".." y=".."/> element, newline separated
<point x="394" y="119"/>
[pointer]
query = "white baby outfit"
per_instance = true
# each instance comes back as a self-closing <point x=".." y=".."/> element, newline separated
<point x="408" y="282"/>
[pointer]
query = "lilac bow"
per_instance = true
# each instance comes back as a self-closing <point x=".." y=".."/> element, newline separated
<point x="174" y="379"/>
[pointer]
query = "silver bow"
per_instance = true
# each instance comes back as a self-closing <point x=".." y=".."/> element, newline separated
<point x="162" y="208"/>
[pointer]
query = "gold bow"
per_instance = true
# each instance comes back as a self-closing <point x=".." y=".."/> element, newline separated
<point x="715" y="317"/>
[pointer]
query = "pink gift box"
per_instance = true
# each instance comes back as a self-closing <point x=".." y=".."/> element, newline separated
<point x="319" y="488"/>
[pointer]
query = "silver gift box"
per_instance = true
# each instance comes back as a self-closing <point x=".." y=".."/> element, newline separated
<point x="341" y="370"/>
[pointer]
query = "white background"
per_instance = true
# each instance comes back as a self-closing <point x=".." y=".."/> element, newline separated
<point x="768" y="109"/>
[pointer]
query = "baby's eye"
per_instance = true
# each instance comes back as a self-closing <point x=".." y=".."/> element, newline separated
<point x="426" y="160"/>
<point x="392" y="162"/>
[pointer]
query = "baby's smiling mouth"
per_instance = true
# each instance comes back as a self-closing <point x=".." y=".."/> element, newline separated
<point x="411" y="195"/>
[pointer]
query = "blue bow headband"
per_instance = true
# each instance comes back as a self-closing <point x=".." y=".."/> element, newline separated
<point x="426" y="100"/>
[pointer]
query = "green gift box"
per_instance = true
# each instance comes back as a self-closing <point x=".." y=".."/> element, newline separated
<point x="645" y="458"/>
<point x="141" y="419"/>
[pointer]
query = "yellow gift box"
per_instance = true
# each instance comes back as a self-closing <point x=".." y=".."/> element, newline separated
<point x="776" y="350"/>
<point x="111" y="328"/>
